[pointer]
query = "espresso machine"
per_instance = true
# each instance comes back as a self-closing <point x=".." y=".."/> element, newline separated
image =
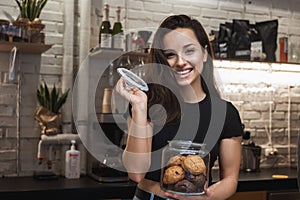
<point x="112" y="122"/>
<point x="251" y="154"/>
<point x="110" y="168"/>
<point x="110" y="111"/>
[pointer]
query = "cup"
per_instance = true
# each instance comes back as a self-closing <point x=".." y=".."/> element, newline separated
<point x="107" y="99"/>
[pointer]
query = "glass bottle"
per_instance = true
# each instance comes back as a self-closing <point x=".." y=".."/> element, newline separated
<point x="105" y="30"/>
<point x="117" y="31"/>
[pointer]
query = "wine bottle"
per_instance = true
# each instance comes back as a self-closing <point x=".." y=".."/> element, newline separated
<point x="117" y="32"/>
<point x="105" y="30"/>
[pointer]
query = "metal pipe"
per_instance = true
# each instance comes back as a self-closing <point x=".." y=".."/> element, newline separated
<point x="289" y="125"/>
<point x="60" y="139"/>
<point x="67" y="66"/>
<point x="85" y="29"/>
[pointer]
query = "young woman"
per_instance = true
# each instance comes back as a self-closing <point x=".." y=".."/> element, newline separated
<point x="182" y="103"/>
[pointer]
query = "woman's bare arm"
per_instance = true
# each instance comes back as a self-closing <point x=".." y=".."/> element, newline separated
<point x="230" y="157"/>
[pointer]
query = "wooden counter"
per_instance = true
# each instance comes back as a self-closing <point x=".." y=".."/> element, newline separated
<point x="87" y="188"/>
<point x="23" y="47"/>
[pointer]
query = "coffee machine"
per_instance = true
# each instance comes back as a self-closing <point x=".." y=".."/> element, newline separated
<point x="112" y="122"/>
<point x="251" y="154"/>
<point x="110" y="109"/>
<point x="110" y="168"/>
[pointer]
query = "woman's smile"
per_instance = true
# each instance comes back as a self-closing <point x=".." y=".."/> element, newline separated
<point x="183" y="73"/>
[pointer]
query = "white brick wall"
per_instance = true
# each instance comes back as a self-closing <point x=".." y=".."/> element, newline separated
<point x="140" y="14"/>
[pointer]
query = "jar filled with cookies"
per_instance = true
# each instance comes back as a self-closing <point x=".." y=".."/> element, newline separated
<point x="185" y="168"/>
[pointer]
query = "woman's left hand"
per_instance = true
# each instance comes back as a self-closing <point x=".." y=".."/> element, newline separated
<point x="179" y="197"/>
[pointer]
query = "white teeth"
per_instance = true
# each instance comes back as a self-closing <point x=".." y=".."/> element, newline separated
<point x="183" y="72"/>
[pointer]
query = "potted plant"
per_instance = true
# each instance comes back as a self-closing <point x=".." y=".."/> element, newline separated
<point x="48" y="114"/>
<point x="31" y="9"/>
<point x="29" y="20"/>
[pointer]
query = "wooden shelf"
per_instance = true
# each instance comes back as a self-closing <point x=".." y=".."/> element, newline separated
<point x="105" y="53"/>
<point x="26" y="48"/>
<point x="251" y="61"/>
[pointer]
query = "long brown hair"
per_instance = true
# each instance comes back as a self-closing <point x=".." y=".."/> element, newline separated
<point x="165" y="96"/>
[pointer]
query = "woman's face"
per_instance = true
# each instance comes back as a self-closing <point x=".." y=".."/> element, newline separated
<point x="184" y="55"/>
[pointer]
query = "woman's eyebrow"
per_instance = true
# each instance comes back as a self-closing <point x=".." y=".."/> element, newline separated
<point x="188" y="45"/>
<point x="168" y="50"/>
<point x="184" y="47"/>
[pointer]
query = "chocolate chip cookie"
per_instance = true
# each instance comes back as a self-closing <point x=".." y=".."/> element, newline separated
<point x="173" y="174"/>
<point x="194" y="164"/>
<point x="176" y="160"/>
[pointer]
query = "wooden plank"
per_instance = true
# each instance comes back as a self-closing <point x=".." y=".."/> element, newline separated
<point x="259" y="195"/>
<point x="26" y="48"/>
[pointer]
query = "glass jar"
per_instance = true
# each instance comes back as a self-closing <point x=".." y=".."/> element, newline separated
<point x="3" y="29"/>
<point x="20" y="27"/>
<point x="185" y="168"/>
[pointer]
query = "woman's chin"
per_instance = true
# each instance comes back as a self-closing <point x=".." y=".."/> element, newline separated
<point x="183" y="83"/>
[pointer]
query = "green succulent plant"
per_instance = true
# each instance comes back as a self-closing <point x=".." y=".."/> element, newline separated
<point x="51" y="99"/>
<point x="31" y="9"/>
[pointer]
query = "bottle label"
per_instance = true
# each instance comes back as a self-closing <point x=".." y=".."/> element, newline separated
<point x="256" y="50"/>
<point x="117" y="41"/>
<point x="74" y="160"/>
<point x="105" y="40"/>
<point x="73" y="166"/>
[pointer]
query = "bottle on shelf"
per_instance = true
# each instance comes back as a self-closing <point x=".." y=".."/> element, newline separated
<point x="117" y="31"/>
<point x="105" y="33"/>
<point x="283" y="49"/>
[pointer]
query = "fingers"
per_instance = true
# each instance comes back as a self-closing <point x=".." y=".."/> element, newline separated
<point x="120" y="86"/>
<point x="208" y="192"/>
<point x="178" y="197"/>
<point x="123" y="90"/>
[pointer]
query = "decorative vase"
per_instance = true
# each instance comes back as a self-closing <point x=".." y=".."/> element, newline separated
<point x="35" y="31"/>
<point x="49" y="122"/>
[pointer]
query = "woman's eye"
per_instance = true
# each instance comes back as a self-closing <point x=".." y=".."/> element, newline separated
<point x="170" y="55"/>
<point x="189" y="51"/>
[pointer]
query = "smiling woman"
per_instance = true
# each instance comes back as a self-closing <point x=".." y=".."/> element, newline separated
<point x="180" y="79"/>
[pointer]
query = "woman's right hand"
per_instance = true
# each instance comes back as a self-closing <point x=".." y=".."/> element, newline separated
<point x="135" y="96"/>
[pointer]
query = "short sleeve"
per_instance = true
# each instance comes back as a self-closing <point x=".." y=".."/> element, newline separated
<point x="233" y="125"/>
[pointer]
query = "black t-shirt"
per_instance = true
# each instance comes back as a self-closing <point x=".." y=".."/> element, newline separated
<point x="216" y="118"/>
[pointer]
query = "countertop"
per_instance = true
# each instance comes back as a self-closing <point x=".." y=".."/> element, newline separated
<point x="22" y="187"/>
<point x="87" y="188"/>
<point x="263" y="181"/>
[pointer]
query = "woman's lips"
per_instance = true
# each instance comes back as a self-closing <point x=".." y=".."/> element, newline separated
<point x="183" y="72"/>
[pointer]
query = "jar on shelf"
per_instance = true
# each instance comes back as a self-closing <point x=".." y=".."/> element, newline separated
<point x="3" y="29"/>
<point x="185" y="168"/>
<point x="20" y="29"/>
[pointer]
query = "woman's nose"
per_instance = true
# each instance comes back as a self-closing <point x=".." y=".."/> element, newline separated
<point x="181" y="60"/>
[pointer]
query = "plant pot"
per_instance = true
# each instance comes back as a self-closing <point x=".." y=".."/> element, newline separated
<point x="49" y="122"/>
<point x="35" y="31"/>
